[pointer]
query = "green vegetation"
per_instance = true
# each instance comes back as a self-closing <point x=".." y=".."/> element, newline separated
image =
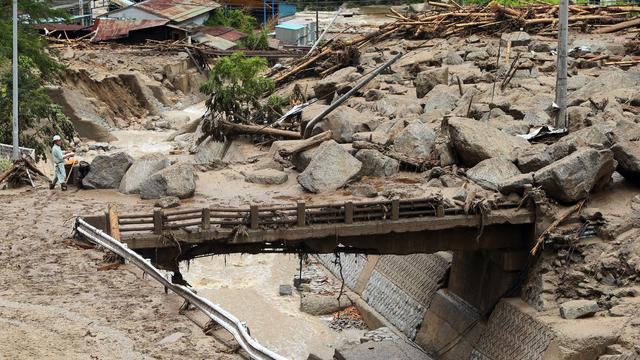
<point x="39" y="117"/>
<point x="5" y="164"/>
<point x="243" y="22"/>
<point x="235" y="87"/>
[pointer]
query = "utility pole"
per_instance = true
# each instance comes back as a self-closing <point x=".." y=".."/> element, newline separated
<point x="561" y="75"/>
<point x="317" y="22"/>
<point x="15" y="154"/>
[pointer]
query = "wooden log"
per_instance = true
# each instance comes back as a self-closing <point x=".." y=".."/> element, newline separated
<point x="255" y="129"/>
<point x="618" y="27"/>
<point x="562" y="217"/>
<point x="113" y="222"/>
<point x="302" y="145"/>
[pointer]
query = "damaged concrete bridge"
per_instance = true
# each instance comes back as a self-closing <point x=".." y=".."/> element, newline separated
<point x="490" y="246"/>
<point x="405" y="226"/>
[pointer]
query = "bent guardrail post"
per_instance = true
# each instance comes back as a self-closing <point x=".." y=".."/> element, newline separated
<point x="216" y="313"/>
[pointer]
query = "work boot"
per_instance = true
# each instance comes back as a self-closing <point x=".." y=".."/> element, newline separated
<point x="63" y="187"/>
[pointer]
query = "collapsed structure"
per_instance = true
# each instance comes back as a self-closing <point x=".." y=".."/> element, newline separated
<point x="465" y="119"/>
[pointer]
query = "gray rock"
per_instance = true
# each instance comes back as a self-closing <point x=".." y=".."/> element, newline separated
<point x="517" y="38"/>
<point x="516" y="184"/>
<point x="375" y="163"/>
<point x="440" y="100"/>
<point x="537" y="117"/>
<point x="343" y="123"/>
<point x="140" y="171"/>
<point x="575" y="309"/>
<point x="415" y="140"/>
<point x="266" y="177"/>
<point x="325" y="88"/>
<point x="577" y="116"/>
<point x="477" y="55"/>
<point x="176" y="180"/>
<point x="474" y="141"/>
<point x="100" y="146"/>
<point x="627" y="154"/>
<point x="302" y="159"/>
<point x="213" y="152"/>
<point x="373" y="94"/>
<point x="538" y="156"/>
<point x="316" y="304"/>
<point x="452" y="58"/>
<point x="168" y="202"/>
<point x="427" y="80"/>
<point x="285" y="289"/>
<point x="490" y="173"/>
<point x="331" y="167"/>
<point x="541" y="47"/>
<point x="107" y="171"/>
<point x="573" y="177"/>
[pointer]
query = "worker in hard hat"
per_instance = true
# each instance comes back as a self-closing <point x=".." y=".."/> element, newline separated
<point x="59" y="174"/>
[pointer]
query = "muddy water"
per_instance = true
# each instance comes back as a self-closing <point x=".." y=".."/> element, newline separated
<point x="247" y="286"/>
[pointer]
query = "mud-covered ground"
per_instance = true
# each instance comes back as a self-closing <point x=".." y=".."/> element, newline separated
<point x="56" y="304"/>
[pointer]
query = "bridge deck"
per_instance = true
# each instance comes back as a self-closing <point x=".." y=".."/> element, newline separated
<point x="394" y="226"/>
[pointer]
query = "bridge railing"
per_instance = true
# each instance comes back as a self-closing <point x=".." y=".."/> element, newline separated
<point x="261" y="217"/>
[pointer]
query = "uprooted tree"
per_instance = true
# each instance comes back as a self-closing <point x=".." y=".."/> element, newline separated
<point x="235" y="87"/>
<point x="39" y="118"/>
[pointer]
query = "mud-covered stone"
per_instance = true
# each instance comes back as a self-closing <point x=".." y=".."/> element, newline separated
<point x="330" y="168"/>
<point x="106" y="171"/>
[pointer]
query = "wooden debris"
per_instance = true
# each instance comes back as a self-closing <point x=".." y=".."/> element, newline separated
<point x="23" y="172"/>
<point x="562" y="217"/>
<point x="302" y="145"/>
<point x="445" y="20"/>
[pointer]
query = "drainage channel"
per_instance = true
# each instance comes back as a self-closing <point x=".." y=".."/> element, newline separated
<point x="217" y="314"/>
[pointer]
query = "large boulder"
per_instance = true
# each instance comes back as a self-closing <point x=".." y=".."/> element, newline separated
<point x="538" y="156"/>
<point x="326" y="88"/>
<point x="375" y="163"/>
<point x="330" y="168"/>
<point x="475" y="141"/>
<point x="427" y="80"/>
<point x="176" y="180"/>
<point x="343" y="123"/>
<point x="211" y="152"/>
<point x="415" y="140"/>
<point x="107" y="171"/>
<point x="266" y="177"/>
<point x="573" y="177"/>
<point x="575" y="309"/>
<point x="491" y="173"/>
<point x="140" y="171"/>
<point x="442" y="98"/>
<point x="627" y="154"/>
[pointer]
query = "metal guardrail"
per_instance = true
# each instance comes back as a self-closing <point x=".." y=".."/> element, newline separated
<point x="217" y="314"/>
<point x="5" y="151"/>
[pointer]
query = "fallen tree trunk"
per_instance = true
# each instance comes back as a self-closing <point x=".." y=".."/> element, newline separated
<point x="302" y="145"/>
<point x="616" y="27"/>
<point x="231" y="128"/>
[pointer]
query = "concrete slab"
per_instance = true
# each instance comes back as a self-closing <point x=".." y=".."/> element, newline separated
<point x="383" y="350"/>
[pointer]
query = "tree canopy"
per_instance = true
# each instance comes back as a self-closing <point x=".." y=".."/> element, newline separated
<point x="39" y="118"/>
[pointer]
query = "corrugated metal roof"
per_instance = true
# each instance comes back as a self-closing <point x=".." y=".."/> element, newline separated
<point x="290" y="26"/>
<point x="110" y="29"/>
<point x="224" y="32"/>
<point x="178" y="10"/>
<point x="213" y="41"/>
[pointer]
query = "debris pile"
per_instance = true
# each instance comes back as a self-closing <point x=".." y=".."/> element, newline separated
<point x="22" y="172"/>
<point x="348" y="318"/>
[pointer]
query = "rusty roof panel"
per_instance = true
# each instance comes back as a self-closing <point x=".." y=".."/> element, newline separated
<point x="178" y="10"/>
<point x="110" y="29"/>
<point x="224" y="32"/>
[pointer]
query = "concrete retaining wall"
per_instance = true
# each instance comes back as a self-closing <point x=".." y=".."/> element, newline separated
<point x="400" y="288"/>
<point x="410" y="293"/>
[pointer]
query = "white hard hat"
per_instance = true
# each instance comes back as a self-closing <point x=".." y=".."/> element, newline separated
<point x="56" y="137"/>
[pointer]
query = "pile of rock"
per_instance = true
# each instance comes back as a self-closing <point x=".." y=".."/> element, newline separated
<point x="152" y="176"/>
